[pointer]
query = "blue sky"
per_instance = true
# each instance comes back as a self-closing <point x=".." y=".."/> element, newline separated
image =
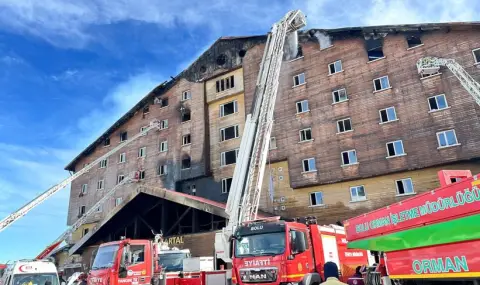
<point x="68" y="70"/>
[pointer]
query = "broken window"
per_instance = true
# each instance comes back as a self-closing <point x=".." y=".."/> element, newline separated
<point x="162" y="169"/>
<point x="85" y="231"/>
<point x="186" y="116"/>
<point x="146" y="110"/>
<point x="300" y="51"/>
<point x="306" y="135"/>
<point x="381" y="83"/>
<point x="299" y="79"/>
<point x="186" y="139"/>
<point x="455" y="180"/>
<point x="302" y="106"/>
<point x="414" y="41"/>
<point x="163" y="102"/>
<point x="229" y="157"/>
<point x="186" y="162"/>
<point x="309" y="165"/>
<point x="388" y="115"/>
<point x="374" y="49"/>
<point x="226" y="184"/>
<point x="349" y="157"/>
<point x="339" y="95"/>
<point x="335" y="67"/>
<point x="123" y="136"/>
<point x="404" y="186"/>
<point x="229" y="133"/>
<point x="344" y="125"/>
<point x="225" y="83"/>
<point x="228" y="108"/>
<point x="106" y="142"/>
<point x="141" y="175"/>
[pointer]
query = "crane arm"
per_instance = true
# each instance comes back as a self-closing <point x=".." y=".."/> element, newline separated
<point x="84" y="217"/>
<point x="431" y="65"/>
<point x="10" y="219"/>
<point x="244" y="197"/>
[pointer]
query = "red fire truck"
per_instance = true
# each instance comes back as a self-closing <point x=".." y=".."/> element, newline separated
<point x="140" y="262"/>
<point x="275" y="251"/>
<point x="432" y="238"/>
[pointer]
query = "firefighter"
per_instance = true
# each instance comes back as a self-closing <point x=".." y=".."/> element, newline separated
<point x="357" y="278"/>
<point x="330" y="270"/>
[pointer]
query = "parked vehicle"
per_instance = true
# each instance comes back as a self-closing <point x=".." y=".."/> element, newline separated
<point x="31" y="272"/>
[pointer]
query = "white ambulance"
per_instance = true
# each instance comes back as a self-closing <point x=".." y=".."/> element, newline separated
<point x="31" y="272"/>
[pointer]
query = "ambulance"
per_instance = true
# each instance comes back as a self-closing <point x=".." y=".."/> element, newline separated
<point x="31" y="272"/>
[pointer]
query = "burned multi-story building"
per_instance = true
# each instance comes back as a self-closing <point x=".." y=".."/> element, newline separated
<point x="355" y="128"/>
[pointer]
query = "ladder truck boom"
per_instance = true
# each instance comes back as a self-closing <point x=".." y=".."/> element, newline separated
<point x="155" y="124"/>
<point x="431" y="65"/>
<point x="244" y="197"/>
<point x="131" y="178"/>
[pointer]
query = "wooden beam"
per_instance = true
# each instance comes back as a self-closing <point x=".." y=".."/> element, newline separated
<point x="178" y="221"/>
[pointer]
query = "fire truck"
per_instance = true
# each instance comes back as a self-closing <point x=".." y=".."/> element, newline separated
<point x="433" y="238"/>
<point x="275" y="251"/>
<point x="137" y="262"/>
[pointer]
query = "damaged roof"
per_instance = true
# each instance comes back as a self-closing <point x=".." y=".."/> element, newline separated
<point x="203" y="67"/>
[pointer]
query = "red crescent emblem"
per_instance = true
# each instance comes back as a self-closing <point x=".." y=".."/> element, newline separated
<point x="21" y="268"/>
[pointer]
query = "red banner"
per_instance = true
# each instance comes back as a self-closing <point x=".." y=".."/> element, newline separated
<point x="444" y="261"/>
<point x="453" y="201"/>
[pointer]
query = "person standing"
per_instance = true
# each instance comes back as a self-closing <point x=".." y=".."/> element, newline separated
<point x="330" y="271"/>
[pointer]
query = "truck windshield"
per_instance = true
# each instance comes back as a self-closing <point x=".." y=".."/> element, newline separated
<point x="260" y="244"/>
<point x="105" y="257"/>
<point x="35" y="279"/>
<point x="172" y="261"/>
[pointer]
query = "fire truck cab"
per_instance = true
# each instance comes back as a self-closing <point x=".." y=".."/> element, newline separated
<point x="274" y="251"/>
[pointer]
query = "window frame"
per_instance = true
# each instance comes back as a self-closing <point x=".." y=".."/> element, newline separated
<point x="163" y="167"/>
<point x="333" y="64"/>
<point x="356" y="191"/>
<point x="403" y="185"/>
<point x="380" y="79"/>
<point x="82" y="210"/>
<point x="101" y="183"/>
<point x="122" y="158"/>
<point x="386" y="112"/>
<point x="118" y="178"/>
<point x="188" y="93"/>
<point x="122" y="134"/>
<point x="223" y="157"/>
<point x="436" y="102"/>
<point x="84" y="188"/>
<point x="142" y="152"/>
<point x="141" y="174"/>
<point x="118" y="199"/>
<point x="395" y="149"/>
<point x="143" y="128"/>
<point x="299" y="75"/>
<point x="343" y="121"/>
<point x="311" y="201"/>
<point x="222" y="108"/>
<point x="106" y="142"/>
<point x="236" y="131"/>
<point x="447" y="145"/>
<point x="300" y="103"/>
<point x="475" y="59"/>
<point x="104" y="163"/>
<point x="164" y="124"/>
<point x="303" y="131"/>
<point x="308" y="163"/>
<point x="414" y="46"/>
<point x="273" y="143"/>
<point x="163" y="143"/>
<point x="338" y="91"/>
<point x="186" y="139"/>
<point x="225" y="185"/>
<point x="349" y="151"/>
